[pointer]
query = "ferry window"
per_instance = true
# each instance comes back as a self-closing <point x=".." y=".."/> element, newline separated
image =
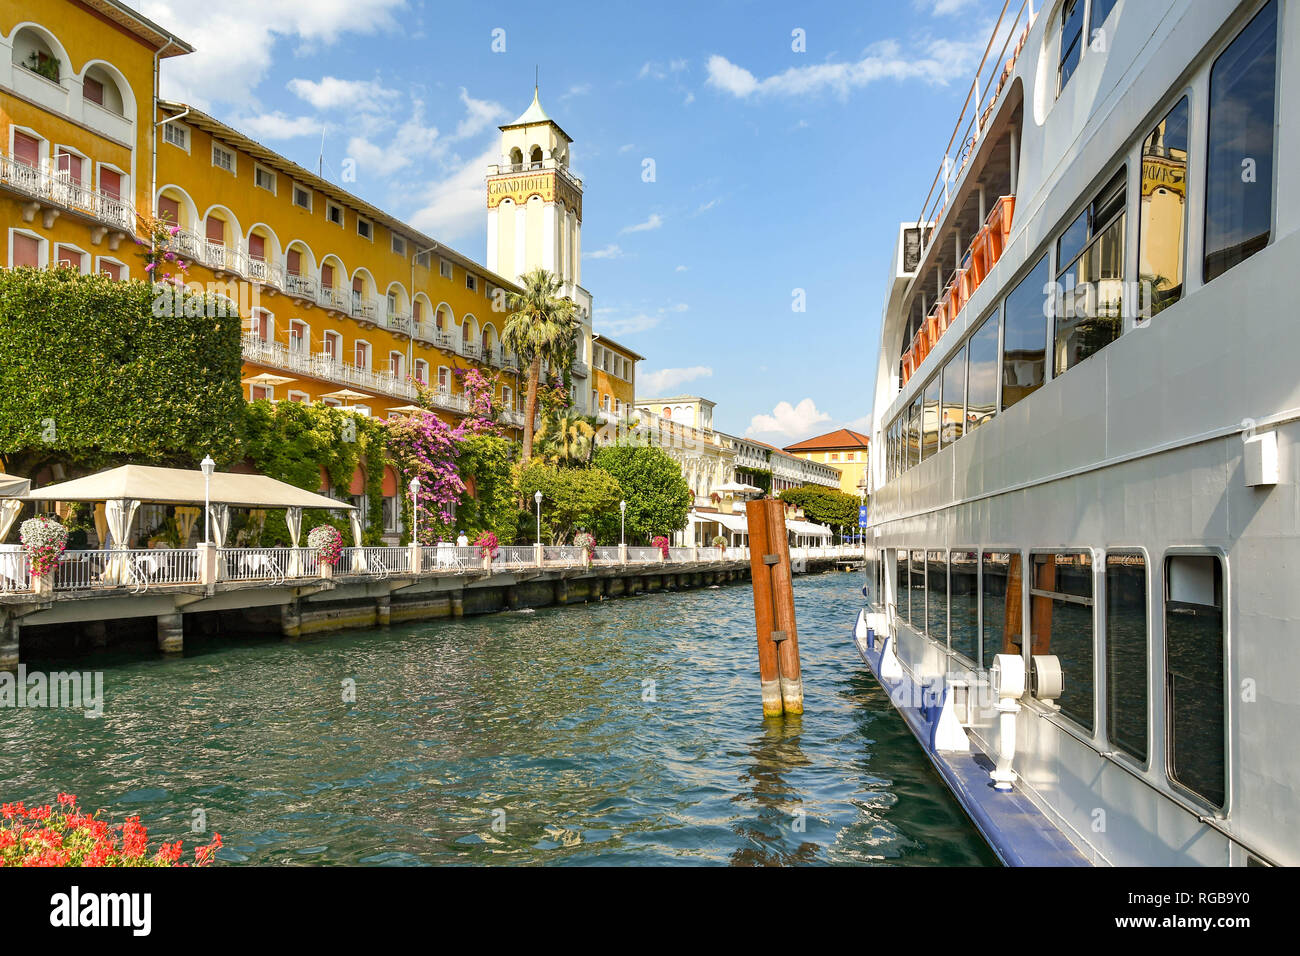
<point x="1162" y="233"/>
<point x="1089" y="311"/>
<point x="902" y="592"/>
<point x="1024" y="336"/>
<point x="964" y="604"/>
<point x="914" y="434"/>
<point x="1060" y="621"/>
<point x="930" y="420"/>
<point x="936" y="592"/>
<point x="954" y="399"/>
<point x="1126" y="653"/>
<point x="1194" y="674"/>
<point x="1071" y="40"/>
<point x="916" y="587"/>
<point x="1239" y="166"/>
<point x="982" y="376"/>
<point x="1100" y="11"/>
<point x="1001" y="593"/>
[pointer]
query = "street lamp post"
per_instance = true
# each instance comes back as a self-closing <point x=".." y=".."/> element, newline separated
<point x="537" y="497"/>
<point x="415" y="510"/>
<point x="622" y="522"/>
<point x="208" y="466"/>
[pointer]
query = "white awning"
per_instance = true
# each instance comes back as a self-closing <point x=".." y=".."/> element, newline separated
<point x="184" y="486"/>
<point x="730" y="522"/>
<point x="808" y="529"/>
<point x="11" y="486"/>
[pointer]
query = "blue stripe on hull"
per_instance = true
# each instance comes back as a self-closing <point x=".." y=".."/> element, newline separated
<point x="1017" y="830"/>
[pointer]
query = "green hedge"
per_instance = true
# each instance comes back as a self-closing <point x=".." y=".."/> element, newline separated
<point x="91" y="377"/>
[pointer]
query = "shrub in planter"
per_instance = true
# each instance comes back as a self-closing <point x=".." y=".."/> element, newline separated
<point x="61" y="835"/>
<point x="661" y="542"/>
<point x="719" y="542"/>
<point x="586" y="542"/>
<point x="43" y="539"/>
<point x="327" y="542"/>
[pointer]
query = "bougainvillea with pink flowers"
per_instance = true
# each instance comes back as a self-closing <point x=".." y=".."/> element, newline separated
<point x="43" y="539"/>
<point x="585" y="541"/>
<point x="488" y="545"/>
<point x="426" y="447"/>
<point x="61" y="835"/>
<point x="661" y="542"/>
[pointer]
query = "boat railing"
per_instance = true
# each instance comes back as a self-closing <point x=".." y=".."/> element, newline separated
<point x="977" y="109"/>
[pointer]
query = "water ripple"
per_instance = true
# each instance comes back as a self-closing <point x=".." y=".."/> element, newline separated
<point x="627" y="731"/>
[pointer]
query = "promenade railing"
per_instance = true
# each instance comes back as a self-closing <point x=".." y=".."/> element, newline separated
<point x="139" y="569"/>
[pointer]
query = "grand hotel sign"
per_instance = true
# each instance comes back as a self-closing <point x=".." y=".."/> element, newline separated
<point x="521" y="187"/>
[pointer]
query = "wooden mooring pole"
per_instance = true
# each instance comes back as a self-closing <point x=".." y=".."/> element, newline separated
<point x="778" y="642"/>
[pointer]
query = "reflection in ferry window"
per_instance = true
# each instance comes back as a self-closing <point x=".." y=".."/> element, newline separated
<point x="1060" y="617"/>
<point x="954" y="399"/>
<point x="1239" y="173"/>
<point x="916" y="585"/>
<point x="901" y="589"/>
<point x="936" y="589"/>
<point x="1001" y="592"/>
<point x="1097" y="16"/>
<point x="1024" y="345"/>
<point x="930" y="420"/>
<point x="1194" y="678"/>
<point x="1091" y="280"/>
<point x="914" y="434"/>
<point x="1161" y="229"/>
<point x="1126" y="653"/>
<point x="965" y="604"/>
<point x="982" y="379"/>
<point x="1071" y="40"/>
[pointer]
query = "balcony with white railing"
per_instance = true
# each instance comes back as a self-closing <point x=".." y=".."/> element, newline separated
<point x="322" y="366"/>
<point x="397" y="323"/>
<point x="58" y="192"/>
<point x="364" y="308"/>
<point x="302" y="287"/>
<point x="333" y="299"/>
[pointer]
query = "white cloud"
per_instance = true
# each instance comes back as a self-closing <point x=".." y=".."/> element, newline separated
<point x="705" y="207"/>
<point x="482" y="114"/>
<point x="937" y="62"/>
<point x="654" y="222"/>
<point x="627" y="147"/>
<point x="788" y="421"/>
<point x="452" y="207"/>
<point x="668" y="379"/>
<point x="682" y="269"/>
<point x="578" y="89"/>
<point x="942" y="8"/>
<point x="611" y="251"/>
<point x="630" y="325"/>
<point x="234" y="40"/>
<point x="276" y="125"/>
<point x="354" y="96"/>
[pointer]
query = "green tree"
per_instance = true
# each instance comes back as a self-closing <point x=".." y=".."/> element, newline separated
<point x="484" y="464"/>
<point x="542" y="327"/>
<point x="573" y="499"/>
<point x="658" y="497"/>
<point x="827" y="506"/>
<point x="93" y="375"/>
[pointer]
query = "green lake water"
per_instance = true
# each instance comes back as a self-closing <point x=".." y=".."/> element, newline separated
<point x="623" y="732"/>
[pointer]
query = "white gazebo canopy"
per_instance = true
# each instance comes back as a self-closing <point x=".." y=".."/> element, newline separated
<point x="11" y="486"/>
<point x="146" y="483"/>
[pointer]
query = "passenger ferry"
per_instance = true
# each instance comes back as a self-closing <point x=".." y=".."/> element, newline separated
<point x="1084" y="566"/>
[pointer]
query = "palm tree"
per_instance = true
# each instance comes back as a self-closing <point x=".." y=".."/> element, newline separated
<point x="542" y="327"/>
<point x="568" y="438"/>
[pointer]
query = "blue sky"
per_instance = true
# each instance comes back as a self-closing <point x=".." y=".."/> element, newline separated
<point x="775" y="169"/>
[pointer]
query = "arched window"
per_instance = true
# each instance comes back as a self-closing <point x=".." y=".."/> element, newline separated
<point x="535" y="157"/>
<point x="516" y="157"/>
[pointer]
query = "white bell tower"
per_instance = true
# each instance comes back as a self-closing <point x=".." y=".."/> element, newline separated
<point x="534" y="205"/>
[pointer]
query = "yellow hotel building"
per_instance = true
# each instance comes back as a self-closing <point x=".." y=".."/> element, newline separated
<point x="344" y="303"/>
<point x="844" y="449"/>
